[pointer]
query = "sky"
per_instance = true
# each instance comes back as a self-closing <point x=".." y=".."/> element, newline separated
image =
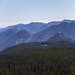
<point x="26" y="11"/>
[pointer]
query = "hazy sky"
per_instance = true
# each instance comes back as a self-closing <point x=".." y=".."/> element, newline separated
<point x="25" y="11"/>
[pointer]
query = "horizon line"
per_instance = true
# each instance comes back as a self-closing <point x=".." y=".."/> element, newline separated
<point x="4" y="26"/>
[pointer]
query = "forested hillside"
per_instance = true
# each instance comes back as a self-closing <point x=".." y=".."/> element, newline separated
<point x="38" y="61"/>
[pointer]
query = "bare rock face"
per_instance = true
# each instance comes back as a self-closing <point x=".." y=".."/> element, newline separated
<point x="59" y="37"/>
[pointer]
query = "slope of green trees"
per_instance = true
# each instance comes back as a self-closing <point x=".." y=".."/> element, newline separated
<point x="38" y="61"/>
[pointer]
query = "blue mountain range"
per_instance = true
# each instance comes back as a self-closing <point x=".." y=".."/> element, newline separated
<point x="37" y="32"/>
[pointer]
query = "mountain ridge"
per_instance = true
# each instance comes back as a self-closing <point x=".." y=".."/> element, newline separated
<point x="36" y="31"/>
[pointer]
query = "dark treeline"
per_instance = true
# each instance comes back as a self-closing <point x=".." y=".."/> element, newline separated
<point x="48" y="61"/>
